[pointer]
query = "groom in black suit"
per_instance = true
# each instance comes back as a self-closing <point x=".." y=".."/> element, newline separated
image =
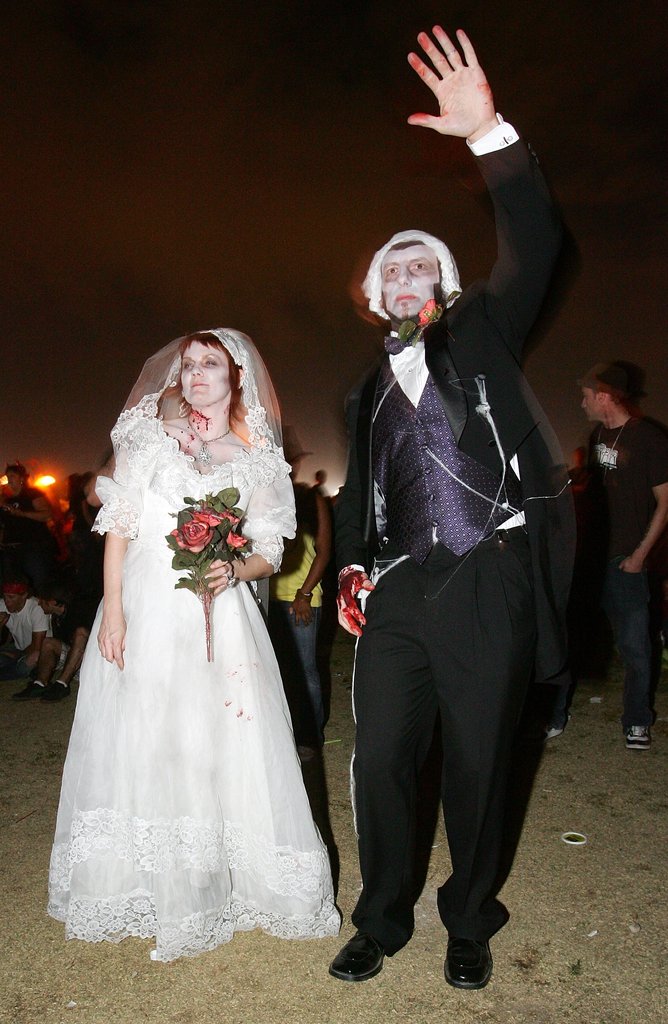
<point x="454" y="534"/>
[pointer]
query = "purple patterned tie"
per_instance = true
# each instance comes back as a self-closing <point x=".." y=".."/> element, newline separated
<point x="394" y="344"/>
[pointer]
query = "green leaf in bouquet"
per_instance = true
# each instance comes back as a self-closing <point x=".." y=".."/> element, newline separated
<point x="184" y="560"/>
<point x="226" y="498"/>
<point x="186" y="584"/>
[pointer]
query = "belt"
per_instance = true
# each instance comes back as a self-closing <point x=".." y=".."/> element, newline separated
<point x="502" y="536"/>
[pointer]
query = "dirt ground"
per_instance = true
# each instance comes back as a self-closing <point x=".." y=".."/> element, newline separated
<point x="586" y="941"/>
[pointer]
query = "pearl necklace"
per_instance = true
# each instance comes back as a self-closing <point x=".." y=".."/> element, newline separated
<point x="204" y="456"/>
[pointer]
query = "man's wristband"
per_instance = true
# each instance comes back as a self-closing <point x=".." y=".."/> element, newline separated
<point x="303" y="593"/>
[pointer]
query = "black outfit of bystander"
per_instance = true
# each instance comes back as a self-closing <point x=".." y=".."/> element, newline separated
<point x="640" y="463"/>
<point x="28" y="547"/>
<point x="86" y="549"/>
<point x="80" y="612"/>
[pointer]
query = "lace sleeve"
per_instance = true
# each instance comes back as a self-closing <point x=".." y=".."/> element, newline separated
<point x="119" y="513"/>
<point x="136" y="439"/>
<point x="269" y="518"/>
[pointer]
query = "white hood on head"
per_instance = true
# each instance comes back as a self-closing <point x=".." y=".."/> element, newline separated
<point x="373" y="282"/>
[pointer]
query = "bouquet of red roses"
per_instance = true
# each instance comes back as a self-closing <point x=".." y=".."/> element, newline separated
<point x="206" y="531"/>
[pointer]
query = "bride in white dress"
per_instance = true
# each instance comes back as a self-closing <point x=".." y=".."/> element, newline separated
<point x="183" y="815"/>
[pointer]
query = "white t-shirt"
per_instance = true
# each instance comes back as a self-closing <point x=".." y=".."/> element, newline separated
<point x="31" y="619"/>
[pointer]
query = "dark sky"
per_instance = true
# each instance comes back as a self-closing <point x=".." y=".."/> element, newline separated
<point x="171" y="166"/>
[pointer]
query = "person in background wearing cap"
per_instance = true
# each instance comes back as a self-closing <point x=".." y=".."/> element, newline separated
<point x="630" y="456"/>
<point x="28" y="627"/>
<point x="455" y="534"/>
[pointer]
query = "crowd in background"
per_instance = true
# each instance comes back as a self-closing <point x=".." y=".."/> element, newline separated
<point x="51" y="570"/>
<point x="51" y="573"/>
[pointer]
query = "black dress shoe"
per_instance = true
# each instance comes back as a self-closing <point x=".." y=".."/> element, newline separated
<point x="31" y="691"/>
<point x="361" y="958"/>
<point x="468" y="963"/>
<point x="56" y="691"/>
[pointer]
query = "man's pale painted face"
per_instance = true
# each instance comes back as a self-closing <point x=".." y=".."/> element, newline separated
<point x="409" y="278"/>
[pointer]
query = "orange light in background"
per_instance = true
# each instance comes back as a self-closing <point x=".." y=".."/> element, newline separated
<point x="45" y="481"/>
<point x="3" y="481"/>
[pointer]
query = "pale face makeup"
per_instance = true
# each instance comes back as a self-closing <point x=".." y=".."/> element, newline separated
<point x="205" y="376"/>
<point x="409" y="278"/>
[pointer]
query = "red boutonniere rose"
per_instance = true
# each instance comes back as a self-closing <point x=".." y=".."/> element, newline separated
<point x="430" y="311"/>
<point x="410" y="332"/>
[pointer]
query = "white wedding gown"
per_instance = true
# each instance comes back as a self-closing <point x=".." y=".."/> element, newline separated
<point x="183" y="814"/>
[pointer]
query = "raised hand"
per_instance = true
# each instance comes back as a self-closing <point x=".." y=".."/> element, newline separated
<point x="464" y="96"/>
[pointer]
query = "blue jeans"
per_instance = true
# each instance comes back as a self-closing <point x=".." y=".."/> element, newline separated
<point x="12" y="667"/>
<point x="626" y="603"/>
<point x="295" y="647"/>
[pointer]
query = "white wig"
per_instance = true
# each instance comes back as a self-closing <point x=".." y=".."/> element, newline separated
<point x="373" y="282"/>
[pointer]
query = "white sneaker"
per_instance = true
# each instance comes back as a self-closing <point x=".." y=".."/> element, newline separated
<point x="556" y="730"/>
<point x="638" y="738"/>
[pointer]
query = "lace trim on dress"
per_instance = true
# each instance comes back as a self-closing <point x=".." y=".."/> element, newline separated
<point x="262" y="465"/>
<point x="146" y="408"/>
<point x="271" y="549"/>
<point x="139" y="429"/>
<point x="144" y="453"/>
<point x="139" y="432"/>
<point x="161" y="846"/>
<point x="117" y="516"/>
<point x="274" y="521"/>
<point x="166" y="844"/>
<point x="115" y="918"/>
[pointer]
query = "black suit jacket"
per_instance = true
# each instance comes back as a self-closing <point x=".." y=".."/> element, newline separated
<point x="483" y="334"/>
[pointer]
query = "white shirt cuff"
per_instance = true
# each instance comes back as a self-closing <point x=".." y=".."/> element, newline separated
<point x="347" y="568"/>
<point x="498" y="138"/>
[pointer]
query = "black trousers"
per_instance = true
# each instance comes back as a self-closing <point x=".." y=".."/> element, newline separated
<point x="456" y="635"/>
